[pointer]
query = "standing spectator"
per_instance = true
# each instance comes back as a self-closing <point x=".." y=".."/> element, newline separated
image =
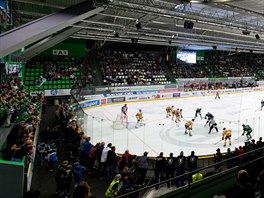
<point x="180" y="169"/>
<point x="83" y="138"/>
<point x="86" y="149"/>
<point x="170" y="167"/>
<point x="83" y="190"/>
<point x="92" y="157"/>
<point x="58" y="176"/>
<point x="159" y="167"/>
<point x="99" y="151"/>
<point x="125" y="160"/>
<point x="66" y="180"/>
<point x="218" y="157"/>
<point x="259" y="145"/>
<point x="104" y="160"/>
<point x="142" y="168"/>
<point x="78" y="173"/>
<point x="112" y="162"/>
<point x="114" y="187"/>
<point x="245" y="188"/>
<point x="192" y="163"/>
<point x="229" y="154"/>
<point x="9" y="111"/>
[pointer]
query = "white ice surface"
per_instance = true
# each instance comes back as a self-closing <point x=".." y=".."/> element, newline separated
<point x="161" y="134"/>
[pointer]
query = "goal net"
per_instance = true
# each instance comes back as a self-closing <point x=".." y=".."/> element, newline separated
<point x="120" y="122"/>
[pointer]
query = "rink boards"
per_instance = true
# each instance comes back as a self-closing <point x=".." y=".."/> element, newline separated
<point x="162" y="134"/>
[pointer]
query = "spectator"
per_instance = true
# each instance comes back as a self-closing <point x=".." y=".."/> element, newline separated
<point x="259" y="187"/>
<point x="170" y="168"/>
<point x="112" y="162"/>
<point x="92" y="157"/>
<point x="142" y="167"/>
<point x="83" y="190"/>
<point x="159" y="167"/>
<point x="245" y="188"/>
<point x="180" y="169"/>
<point x="218" y="157"/>
<point x="59" y="176"/>
<point x="229" y="154"/>
<point x="9" y="111"/>
<point x="192" y="163"/>
<point x="78" y="173"/>
<point x="104" y="160"/>
<point x="197" y="176"/>
<point x="86" y="149"/>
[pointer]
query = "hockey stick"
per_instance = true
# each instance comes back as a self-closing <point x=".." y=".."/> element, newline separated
<point x="238" y="137"/>
<point x="217" y="142"/>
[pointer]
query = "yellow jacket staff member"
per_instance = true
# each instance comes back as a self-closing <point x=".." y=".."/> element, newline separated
<point x="113" y="188"/>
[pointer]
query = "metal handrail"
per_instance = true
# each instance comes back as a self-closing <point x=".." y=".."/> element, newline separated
<point x="198" y="170"/>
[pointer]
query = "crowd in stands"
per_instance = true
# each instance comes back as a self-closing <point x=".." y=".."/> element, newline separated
<point x="131" y="68"/>
<point x="217" y="66"/>
<point x="55" y="68"/>
<point x="24" y="112"/>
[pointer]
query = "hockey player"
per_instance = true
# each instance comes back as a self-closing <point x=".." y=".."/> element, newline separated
<point x="209" y="117"/>
<point x="213" y="125"/>
<point x="173" y="114"/>
<point x="217" y="95"/>
<point x="124" y="112"/>
<point x="226" y="135"/>
<point x="169" y="110"/>
<point x="198" y="112"/>
<point x="178" y="115"/>
<point x="181" y="113"/>
<point x="188" y="127"/>
<point x="247" y="129"/>
<point x="139" y="117"/>
<point x="262" y="105"/>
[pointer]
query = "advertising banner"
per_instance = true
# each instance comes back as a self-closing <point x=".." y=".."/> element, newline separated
<point x="58" y="92"/>
<point x="90" y="103"/>
<point x="117" y="99"/>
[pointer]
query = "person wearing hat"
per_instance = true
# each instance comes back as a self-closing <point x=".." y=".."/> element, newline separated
<point x="114" y="187"/>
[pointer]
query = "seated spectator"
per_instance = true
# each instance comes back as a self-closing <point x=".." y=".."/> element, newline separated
<point x="197" y="176"/>
<point x="259" y="187"/>
<point x="245" y="188"/>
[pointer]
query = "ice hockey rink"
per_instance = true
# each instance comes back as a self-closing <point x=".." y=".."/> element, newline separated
<point x="161" y="134"/>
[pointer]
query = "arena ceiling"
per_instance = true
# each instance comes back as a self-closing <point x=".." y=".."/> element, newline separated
<point x="221" y="24"/>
